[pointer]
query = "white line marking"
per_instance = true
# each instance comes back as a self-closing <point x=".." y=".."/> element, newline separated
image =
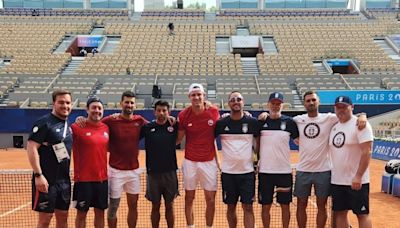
<point x="15" y="209"/>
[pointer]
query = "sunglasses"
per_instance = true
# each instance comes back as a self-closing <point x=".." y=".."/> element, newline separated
<point x="235" y="99"/>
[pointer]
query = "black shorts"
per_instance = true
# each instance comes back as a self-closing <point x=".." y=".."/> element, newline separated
<point x="90" y="194"/>
<point x="238" y="185"/>
<point x="267" y="184"/>
<point x="162" y="184"/>
<point x="345" y="198"/>
<point x="58" y="197"/>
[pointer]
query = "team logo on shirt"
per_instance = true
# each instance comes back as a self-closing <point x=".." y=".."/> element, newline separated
<point x="35" y="129"/>
<point x="245" y="128"/>
<point x="283" y="126"/>
<point x="152" y="130"/>
<point x="311" y="130"/>
<point x="339" y="139"/>
<point x="170" y="129"/>
<point x="210" y="122"/>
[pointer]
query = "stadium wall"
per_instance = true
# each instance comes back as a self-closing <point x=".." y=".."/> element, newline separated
<point x="19" y="122"/>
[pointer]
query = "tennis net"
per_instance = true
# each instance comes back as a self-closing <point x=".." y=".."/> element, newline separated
<point x="15" y="207"/>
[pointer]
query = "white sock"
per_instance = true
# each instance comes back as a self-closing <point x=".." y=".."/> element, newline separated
<point x="190" y="226"/>
<point x="209" y="227"/>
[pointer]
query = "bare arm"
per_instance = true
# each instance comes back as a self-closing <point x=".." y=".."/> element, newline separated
<point x="181" y="134"/>
<point x="361" y="120"/>
<point x="363" y="165"/>
<point x="217" y="155"/>
<point x="33" y="156"/>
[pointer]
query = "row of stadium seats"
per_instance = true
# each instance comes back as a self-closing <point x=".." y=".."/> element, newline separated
<point x="63" y="12"/>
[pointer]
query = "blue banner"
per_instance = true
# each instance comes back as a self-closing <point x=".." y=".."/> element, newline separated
<point x="327" y="97"/>
<point x="90" y="41"/>
<point x="385" y="150"/>
<point x="338" y="62"/>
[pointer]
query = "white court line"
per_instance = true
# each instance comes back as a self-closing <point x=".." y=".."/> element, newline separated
<point x="15" y="209"/>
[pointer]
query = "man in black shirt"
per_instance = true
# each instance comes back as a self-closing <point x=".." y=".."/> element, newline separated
<point x="49" y="151"/>
<point x="237" y="132"/>
<point x="160" y="138"/>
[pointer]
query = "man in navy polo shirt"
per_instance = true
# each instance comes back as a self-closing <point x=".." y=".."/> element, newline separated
<point x="237" y="132"/>
<point x="49" y="151"/>
<point x="160" y="138"/>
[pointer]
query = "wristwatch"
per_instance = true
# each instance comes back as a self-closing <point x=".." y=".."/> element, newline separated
<point x="37" y="174"/>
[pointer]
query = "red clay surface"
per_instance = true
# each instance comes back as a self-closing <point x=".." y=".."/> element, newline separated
<point x="15" y="207"/>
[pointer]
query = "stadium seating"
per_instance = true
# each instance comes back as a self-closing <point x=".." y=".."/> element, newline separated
<point x="301" y="36"/>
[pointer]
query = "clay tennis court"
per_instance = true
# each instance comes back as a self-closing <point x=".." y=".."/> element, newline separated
<point x="15" y="207"/>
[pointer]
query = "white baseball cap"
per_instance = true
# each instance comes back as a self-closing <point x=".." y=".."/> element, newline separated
<point x="196" y="87"/>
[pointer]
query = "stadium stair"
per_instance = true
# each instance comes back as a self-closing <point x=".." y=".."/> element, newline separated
<point x="136" y="16"/>
<point x="110" y="45"/>
<point x="388" y="50"/>
<point x="73" y="66"/>
<point x="321" y="70"/>
<point x="97" y="31"/>
<point x="250" y="67"/>
<point x="67" y="40"/>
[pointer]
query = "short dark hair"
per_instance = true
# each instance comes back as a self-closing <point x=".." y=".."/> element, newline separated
<point x="309" y="92"/>
<point x="161" y="103"/>
<point x="127" y="94"/>
<point x="59" y="92"/>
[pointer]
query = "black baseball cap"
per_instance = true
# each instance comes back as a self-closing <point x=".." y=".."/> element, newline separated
<point x="277" y="96"/>
<point x="343" y="100"/>
<point x="93" y="99"/>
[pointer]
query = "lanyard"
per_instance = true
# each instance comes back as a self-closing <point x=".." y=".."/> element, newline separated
<point x="65" y="130"/>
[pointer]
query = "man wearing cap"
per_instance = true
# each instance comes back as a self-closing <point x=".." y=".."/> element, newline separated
<point x="237" y="132"/>
<point x="350" y="153"/>
<point x="275" y="172"/>
<point x="90" y="165"/>
<point x="200" y="165"/>
<point x="49" y="151"/>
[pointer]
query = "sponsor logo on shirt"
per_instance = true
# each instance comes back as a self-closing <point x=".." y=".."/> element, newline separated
<point x="311" y="130"/>
<point x="226" y="128"/>
<point x="88" y="134"/>
<point x="170" y="129"/>
<point x="210" y="122"/>
<point x="152" y="130"/>
<point x="265" y="125"/>
<point x="245" y="127"/>
<point x="58" y="130"/>
<point x="283" y="126"/>
<point x="35" y="129"/>
<point x="339" y="139"/>
<point x="190" y="124"/>
<point x="105" y="135"/>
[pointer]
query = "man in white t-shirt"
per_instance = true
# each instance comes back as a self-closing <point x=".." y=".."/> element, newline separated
<point x="350" y="151"/>
<point x="314" y="167"/>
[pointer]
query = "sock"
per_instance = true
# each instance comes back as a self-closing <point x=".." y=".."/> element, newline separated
<point x="190" y="226"/>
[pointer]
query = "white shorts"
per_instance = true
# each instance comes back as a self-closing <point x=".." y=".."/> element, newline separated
<point x="204" y="172"/>
<point x="123" y="180"/>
